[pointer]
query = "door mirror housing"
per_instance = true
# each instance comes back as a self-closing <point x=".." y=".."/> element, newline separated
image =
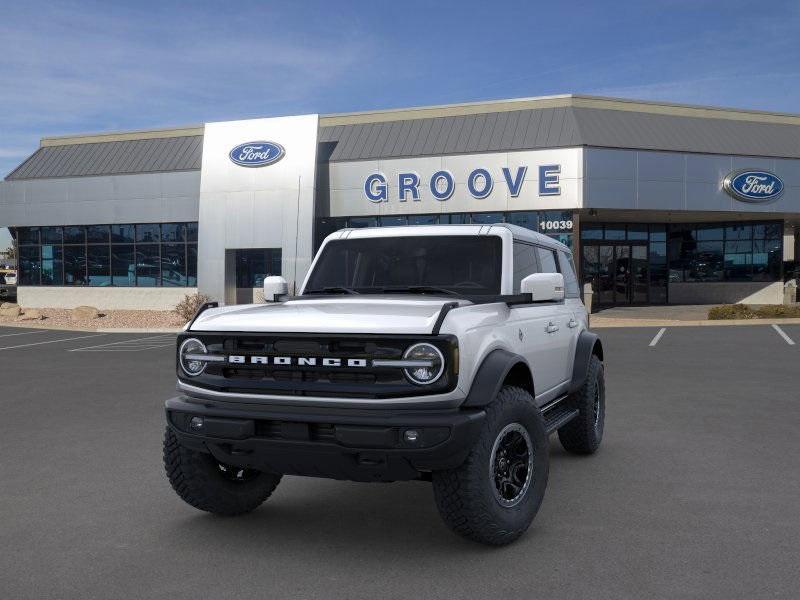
<point x="275" y="286"/>
<point x="544" y="287"/>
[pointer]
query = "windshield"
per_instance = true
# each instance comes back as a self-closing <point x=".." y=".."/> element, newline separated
<point x="465" y="264"/>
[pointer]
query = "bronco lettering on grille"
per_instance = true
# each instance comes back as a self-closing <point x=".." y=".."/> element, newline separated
<point x="300" y="361"/>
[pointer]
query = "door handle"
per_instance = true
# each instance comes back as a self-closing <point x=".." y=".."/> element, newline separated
<point x="551" y="327"/>
<point x="572" y="324"/>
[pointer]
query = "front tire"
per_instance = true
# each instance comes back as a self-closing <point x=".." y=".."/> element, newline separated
<point x="208" y="485"/>
<point x="494" y="495"/>
<point x="584" y="433"/>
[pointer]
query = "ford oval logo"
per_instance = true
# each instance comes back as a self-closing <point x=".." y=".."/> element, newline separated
<point x="257" y="154"/>
<point x="753" y="186"/>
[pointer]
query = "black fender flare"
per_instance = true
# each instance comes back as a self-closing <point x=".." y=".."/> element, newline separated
<point x="490" y="376"/>
<point x="588" y="343"/>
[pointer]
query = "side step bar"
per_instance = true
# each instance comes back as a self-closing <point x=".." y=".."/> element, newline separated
<point x="556" y="415"/>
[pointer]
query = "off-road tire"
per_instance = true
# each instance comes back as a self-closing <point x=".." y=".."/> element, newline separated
<point x="197" y="479"/>
<point x="584" y="433"/>
<point x="465" y="496"/>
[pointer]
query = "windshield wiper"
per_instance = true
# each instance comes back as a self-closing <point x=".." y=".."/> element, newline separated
<point x="332" y="290"/>
<point x="419" y="289"/>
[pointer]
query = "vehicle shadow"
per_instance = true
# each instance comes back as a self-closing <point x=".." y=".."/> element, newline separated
<point x="357" y="518"/>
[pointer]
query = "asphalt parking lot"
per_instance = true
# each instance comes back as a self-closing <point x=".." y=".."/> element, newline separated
<point x="694" y="494"/>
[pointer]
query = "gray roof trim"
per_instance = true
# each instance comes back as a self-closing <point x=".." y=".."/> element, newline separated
<point x="561" y="127"/>
<point x="153" y="155"/>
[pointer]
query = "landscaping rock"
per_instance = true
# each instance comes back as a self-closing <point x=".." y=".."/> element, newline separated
<point x="85" y="313"/>
<point x="13" y="311"/>
<point x="8" y="305"/>
<point x="31" y="315"/>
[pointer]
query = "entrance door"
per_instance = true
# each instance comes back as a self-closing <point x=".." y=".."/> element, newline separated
<point x="619" y="272"/>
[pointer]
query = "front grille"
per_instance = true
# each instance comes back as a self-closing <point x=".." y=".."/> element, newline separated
<point x="317" y="380"/>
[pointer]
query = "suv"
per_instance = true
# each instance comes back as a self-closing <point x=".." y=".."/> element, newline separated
<point x="8" y="283"/>
<point x="436" y="353"/>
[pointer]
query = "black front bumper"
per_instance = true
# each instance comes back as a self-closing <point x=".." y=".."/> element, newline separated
<point x="338" y="444"/>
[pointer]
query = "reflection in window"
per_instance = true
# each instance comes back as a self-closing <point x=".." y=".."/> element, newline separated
<point x="29" y="264"/>
<point x="123" y="265"/>
<point x="75" y="265"/>
<point x="394" y="221"/>
<point x="122" y="234"/>
<point x="51" y="235"/>
<point x="173" y="265"/>
<point x="97" y="234"/>
<point x="524" y="263"/>
<point x="106" y="255"/>
<point x="423" y="219"/>
<point x="99" y="265"/>
<point x="148" y="265"/>
<point x="487" y="218"/>
<point x="148" y="233"/>
<point x="173" y="232"/>
<point x="729" y="252"/>
<point x="52" y="265"/>
<point x="253" y="265"/>
<point x="74" y="235"/>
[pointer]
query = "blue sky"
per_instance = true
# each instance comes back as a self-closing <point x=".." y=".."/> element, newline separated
<point x="74" y="67"/>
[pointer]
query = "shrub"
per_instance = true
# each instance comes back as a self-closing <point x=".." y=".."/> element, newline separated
<point x="746" y="311"/>
<point x="731" y="311"/>
<point x="778" y="311"/>
<point x="191" y="303"/>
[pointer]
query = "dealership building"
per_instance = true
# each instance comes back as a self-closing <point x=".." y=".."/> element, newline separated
<point x="661" y="203"/>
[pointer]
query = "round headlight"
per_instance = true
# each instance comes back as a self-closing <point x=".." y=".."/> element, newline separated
<point x="189" y="349"/>
<point x="425" y="353"/>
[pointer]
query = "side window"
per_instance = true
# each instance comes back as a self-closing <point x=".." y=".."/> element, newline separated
<point x="547" y="260"/>
<point x="524" y="263"/>
<point x="571" y="288"/>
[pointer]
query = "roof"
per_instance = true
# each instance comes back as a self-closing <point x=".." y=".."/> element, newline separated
<point x="572" y="122"/>
<point x="519" y="233"/>
<point x="180" y="153"/>
<point x="503" y="125"/>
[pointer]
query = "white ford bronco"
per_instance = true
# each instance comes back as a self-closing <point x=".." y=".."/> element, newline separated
<point x="435" y="353"/>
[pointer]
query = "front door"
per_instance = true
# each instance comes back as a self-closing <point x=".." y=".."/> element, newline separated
<point x="618" y="271"/>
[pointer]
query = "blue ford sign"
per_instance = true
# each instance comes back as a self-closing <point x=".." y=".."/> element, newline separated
<point x="257" y="154"/>
<point x="750" y="185"/>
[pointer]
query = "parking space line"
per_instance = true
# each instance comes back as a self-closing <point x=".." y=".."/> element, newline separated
<point x="83" y="337"/>
<point x="782" y="333"/>
<point x="23" y="333"/>
<point x="657" y="337"/>
<point x="124" y="348"/>
<point x="127" y="344"/>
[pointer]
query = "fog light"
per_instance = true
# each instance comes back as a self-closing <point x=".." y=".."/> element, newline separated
<point x="196" y="423"/>
<point x="411" y="436"/>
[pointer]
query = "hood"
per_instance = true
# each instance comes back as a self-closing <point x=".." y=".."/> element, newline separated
<point x="341" y="314"/>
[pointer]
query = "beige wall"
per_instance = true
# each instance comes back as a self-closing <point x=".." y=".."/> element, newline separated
<point x="726" y="292"/>
<point x="108" y="298"/>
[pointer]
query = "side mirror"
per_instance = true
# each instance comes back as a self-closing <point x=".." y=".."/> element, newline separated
<point x="275" y="286"/>
<point x="544" y="287"/>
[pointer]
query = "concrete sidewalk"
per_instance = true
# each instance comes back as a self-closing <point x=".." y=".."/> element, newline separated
<point x="672" y="316"/>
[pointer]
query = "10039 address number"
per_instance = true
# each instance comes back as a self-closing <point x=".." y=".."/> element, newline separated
<point x="555" y="225"/>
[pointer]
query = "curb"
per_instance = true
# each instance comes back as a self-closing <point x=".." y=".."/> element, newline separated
<point x="600" y="322"/>
<point x="44" y="326"/>
<point x="127" y="330"/>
